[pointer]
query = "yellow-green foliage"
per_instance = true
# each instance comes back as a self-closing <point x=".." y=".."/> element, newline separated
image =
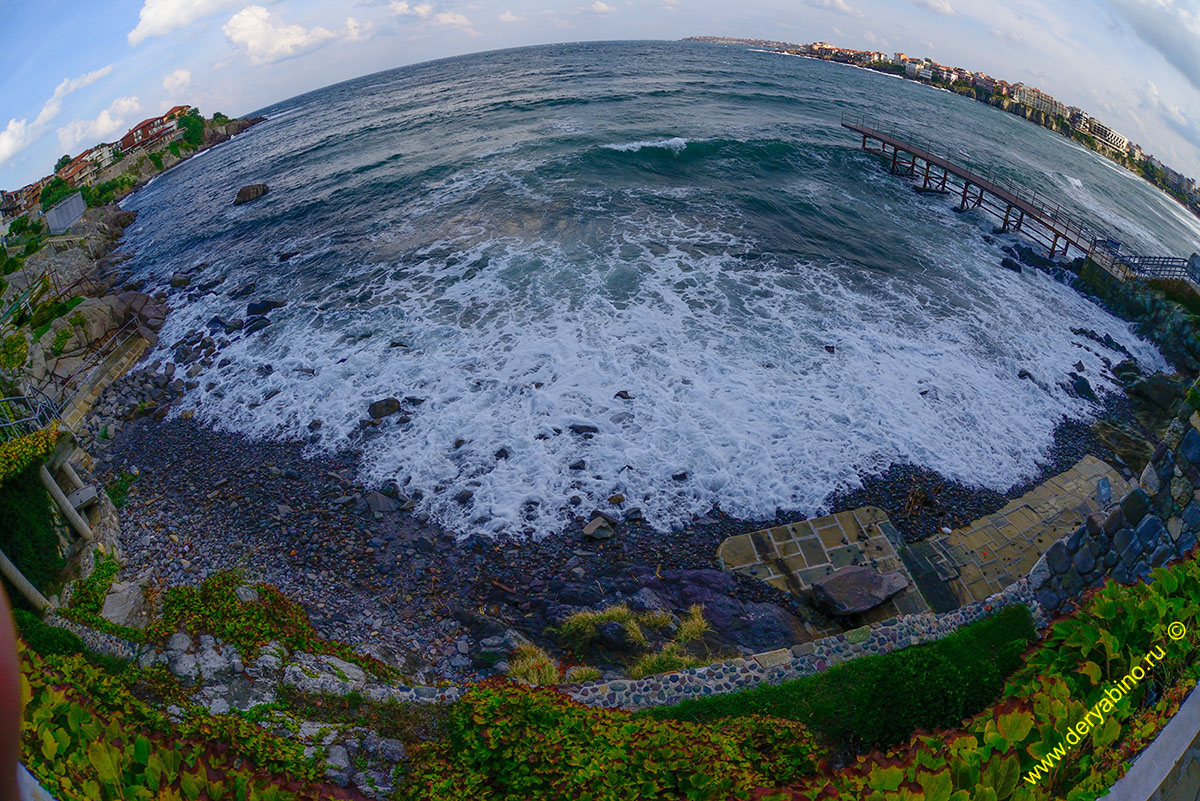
<point x="668" y="660"/>
<point x="14" y="349"/>
<point x="510" y="743"/>
<point x="533" y="666"/>
<point x="21" y="452"/>
<point x="86" y="736"/>
<point x="582" y="673"/>
<point x="694" y="626"/>
<point x="582" y="627"/>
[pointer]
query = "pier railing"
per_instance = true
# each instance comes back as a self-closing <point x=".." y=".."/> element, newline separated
<point x="1008" y="197"/>
<point x="25" y="414"/>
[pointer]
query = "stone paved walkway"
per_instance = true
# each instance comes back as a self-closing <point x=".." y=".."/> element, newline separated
<point x="794" y="556"/>
<point x="994" y="551"/>
<point x="946" y="571"/>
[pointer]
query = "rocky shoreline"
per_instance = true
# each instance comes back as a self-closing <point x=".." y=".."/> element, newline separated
<point x="374" y="573"/>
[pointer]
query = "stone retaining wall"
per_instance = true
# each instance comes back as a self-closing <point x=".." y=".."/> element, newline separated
<point x="1153" y="524"/>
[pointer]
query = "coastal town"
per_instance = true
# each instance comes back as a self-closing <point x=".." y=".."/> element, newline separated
<point x="108" y="171"/>
<point x="1016" y="98"/>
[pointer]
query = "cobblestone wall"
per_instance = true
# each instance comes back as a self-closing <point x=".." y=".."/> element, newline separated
<point x="1151" y="525"/>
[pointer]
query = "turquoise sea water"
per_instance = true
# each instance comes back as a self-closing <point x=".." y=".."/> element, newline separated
<point x="517" y="236"/>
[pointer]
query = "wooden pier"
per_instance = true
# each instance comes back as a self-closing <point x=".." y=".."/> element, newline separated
<point x="1019" y="210"/>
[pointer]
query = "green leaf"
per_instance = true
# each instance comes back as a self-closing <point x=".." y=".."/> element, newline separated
<point x="101" y="755"/>
<point x="937" y="786"/>
<point x="141" y="750"/>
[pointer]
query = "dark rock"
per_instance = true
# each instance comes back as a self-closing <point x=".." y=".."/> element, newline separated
<point x="1151" y="533"/>
<point x="1134" y="506"/>
<point x="623" y="395"/>
<point x="1161" y="555"/>
<point x="1049" y="599"/>
<point x="287" y="254"/>
<point x="830" y="349"/>
<point x="1185" y="543"/>
<point x="1025" y="375"/>
<point x="1191" y="516"/>
<point x="1190" y="446"/>
<point x="502" y="454"/>
<point x="634" y="515"/>
<point x="464" y="497"/>
<point x="614" y="637"/>
<point x="1058" y="558"/>
<point x="384" y="408"/>
<point x="579" y="465"/>
<point x="382" y="504"/>
<point x="1072" y="583"/>
<point x="249" y="193"/>
<point x="1010" y="264"/>
<point x="1085" y="560"/>
<point x="854" y="588"/>
<point x="263" y="306"/>
<point x="242" y="291"/>
<point x="257" y="324"/>
<point x="584" y="429"/>
<point x="1082" y="388"/>
<point x="180" y="280"/>
<point x="680" y="476"/>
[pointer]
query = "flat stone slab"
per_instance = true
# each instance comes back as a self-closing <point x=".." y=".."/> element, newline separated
<point x="994" y="551"/>
<point x="796" y="556"/>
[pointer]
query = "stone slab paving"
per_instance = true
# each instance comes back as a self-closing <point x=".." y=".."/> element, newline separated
<point x="793" y="557"/>
<point x="989" y="554"/>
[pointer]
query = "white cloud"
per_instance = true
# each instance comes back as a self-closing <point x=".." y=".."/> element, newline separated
<point x="451" y="20"/>
<point x="20" y="134"/>
<point x="158" y="17"/>
<point x="177" y="80"/>
<point x="936" y="6"/>
<point x="445" y="19"/>
<point x="508" y="16"/>
<point x="266" y="38"/>
<point x="839" y="6"/>
<point x="599" y="7"/>
<point x="358" y="31"/>
<point x="112" y="119"/>
<point x="402" y="8"/>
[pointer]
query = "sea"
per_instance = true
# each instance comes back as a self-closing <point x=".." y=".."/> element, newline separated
<point x="655" y="269"/>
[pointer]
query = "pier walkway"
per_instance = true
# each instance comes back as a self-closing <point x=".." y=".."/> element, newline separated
<point x="1019" y="209"/>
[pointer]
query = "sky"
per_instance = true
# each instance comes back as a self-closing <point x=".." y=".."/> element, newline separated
<point x="77" y="72"/>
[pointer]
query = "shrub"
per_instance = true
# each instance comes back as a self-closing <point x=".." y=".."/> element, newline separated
<point x="533" y="666"/>
<point x="156" y="160"/>
<point x="510" y="743"/>
<point x="46" y="640"/>
<point x="13" y="351"/>
<point x="86" y="735"/>
<point x="877" y="701"/>
<point x="16" y="455"/>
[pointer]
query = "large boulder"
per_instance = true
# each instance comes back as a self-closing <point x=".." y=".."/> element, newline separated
<point x="124" y="605"/>
<point x="249" y="193"/>
<point x="854" y="588"/>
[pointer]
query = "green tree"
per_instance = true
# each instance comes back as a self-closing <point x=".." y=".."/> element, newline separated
<point x="193" y="129"/>
<point x="55" y="191"/>
<point x="63" y="161"/>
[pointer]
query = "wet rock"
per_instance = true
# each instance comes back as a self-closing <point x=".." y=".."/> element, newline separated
<point x="598" y="529"/>
<point x="384" y="408"/>
<point x="1010" y="264"/>
<point x="180" y="280"/>
<point x="584" y="429"/>
<point x="242" y="291"/>
<point x="854" y="588"/>
<point x="257" y="324"/>
<point x="258" y="307"/>
<point x="623" y="395"/>
<point x="249" y="193"/>
<point x="579" y="465"/>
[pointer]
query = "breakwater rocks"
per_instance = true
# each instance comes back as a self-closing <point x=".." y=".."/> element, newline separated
<point x="1155" y="523"/>
<point x="1165" y="322"/>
